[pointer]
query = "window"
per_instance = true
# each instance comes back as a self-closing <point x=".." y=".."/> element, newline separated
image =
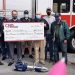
<point x="61" y="6"/>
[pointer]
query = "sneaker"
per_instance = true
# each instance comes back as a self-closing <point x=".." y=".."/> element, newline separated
<point x="51" y="60"/>
<point x="30" y="56"/>
<point x="1" y="63"/>
<point x="45" y="58"/>
<point x="10" y="63"/>
<point x="53" y="63"/>
<point x="37" y="64"/>
<point x="3" y="58"/>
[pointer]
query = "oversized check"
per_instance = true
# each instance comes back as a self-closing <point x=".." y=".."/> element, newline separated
<point x="23" y="31"/>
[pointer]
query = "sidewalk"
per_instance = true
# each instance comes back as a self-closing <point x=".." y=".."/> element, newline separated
<point x="7" y="70"/>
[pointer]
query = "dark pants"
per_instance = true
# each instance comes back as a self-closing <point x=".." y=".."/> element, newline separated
<point x="4" y="46"/>
<point x="49" y="46"/>
<point x="5" y="49"/>
<point x="11" y="47"/>
<point x="63" y="47"/>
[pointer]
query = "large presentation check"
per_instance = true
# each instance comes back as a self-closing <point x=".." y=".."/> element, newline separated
<point x="23" y="31"/>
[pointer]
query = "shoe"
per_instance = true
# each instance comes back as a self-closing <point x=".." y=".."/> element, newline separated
<point x="37" y="64"/>
<point x="30" y="56"/>
<point x="3" y="58"/>
<point x="72" y="63"/>
<point x="10" y="63"/>
<point x="53" y="63"/>
<point x="50" y="61"/>
<point x="45" y="58"/>
<point x="22" y="56"/>
<point x="1" y="63"/>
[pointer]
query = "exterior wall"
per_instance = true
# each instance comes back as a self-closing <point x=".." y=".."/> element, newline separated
<point x="1" y="4"/>
<point x="41" y="6"/>
<point x="19" y="5"/>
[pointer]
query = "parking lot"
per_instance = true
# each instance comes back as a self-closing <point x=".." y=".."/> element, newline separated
<point x="5" y="70"/>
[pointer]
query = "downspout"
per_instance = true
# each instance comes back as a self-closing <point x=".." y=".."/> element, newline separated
<point x="71" y="9"/>
<point x="4" y="8"/>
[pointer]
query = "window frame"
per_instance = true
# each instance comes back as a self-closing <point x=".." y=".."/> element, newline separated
<point x="60" y="7"/>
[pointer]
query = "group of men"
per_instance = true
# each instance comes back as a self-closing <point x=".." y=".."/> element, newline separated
<point x="56" y="34"/>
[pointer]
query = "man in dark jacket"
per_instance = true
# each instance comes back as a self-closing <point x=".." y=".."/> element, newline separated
<point x="26" y="17"/>
<point x="3" y="44"/>
<point x="48" y="20"/>
<point x="28" y="44"/>
<point x="12" y="44"/>
<point x="1" y="38"/>
<point x="60" y="34"/>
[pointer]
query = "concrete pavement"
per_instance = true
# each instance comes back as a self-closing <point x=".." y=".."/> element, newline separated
<point x="6" y="70"/>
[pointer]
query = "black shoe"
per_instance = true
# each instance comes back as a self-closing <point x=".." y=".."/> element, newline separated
<point x="3" y="58"/>
<point x="10" y="63"/>
<point x="54" y="63"/>
<point x="45" y="58"/>
<point x="51" y="60"/>
<point x="22" y="56"/>
<point x="1" y="63"/>
<point x="30" y="56"/>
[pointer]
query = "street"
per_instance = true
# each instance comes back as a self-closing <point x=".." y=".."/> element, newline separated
<point x="7" y="70"/>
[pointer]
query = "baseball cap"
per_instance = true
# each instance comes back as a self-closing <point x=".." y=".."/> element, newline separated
<point x="57" y="15"/>
<point x="26" y="12"/>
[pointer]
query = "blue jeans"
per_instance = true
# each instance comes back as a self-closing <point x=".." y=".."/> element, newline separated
<point x="49" y="46"/>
